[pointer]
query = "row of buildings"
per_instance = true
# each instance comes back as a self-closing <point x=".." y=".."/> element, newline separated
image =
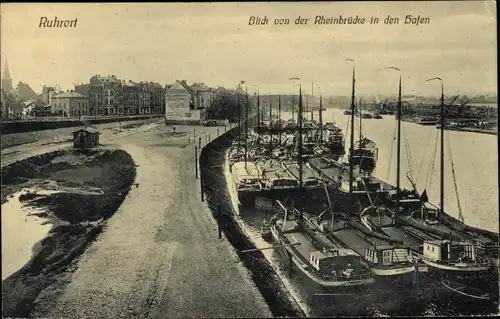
<point x="106" y="95"/>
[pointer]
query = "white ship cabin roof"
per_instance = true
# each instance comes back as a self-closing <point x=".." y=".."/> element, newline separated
<point x="249" y="170"/>
<point x="335" y="261"/>
<point x="444" y="250"/>
<point x="290" y="225"/>
<point x="437" y="242"/>
<point x="333" y="253"/>
<point x="384" y="247"/>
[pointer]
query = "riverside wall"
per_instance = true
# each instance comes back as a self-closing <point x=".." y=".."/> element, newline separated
<point x="11" y="127"/>
<point x="215" y="188"/>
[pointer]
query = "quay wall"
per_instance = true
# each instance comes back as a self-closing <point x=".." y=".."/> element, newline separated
<point x="12" y="127"/>
<point x="215" y="188"/>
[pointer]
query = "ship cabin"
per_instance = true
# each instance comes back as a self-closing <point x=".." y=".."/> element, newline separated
<point x="342" y="264"/>
<point x="387" y="255"/>
<point x="309" y="125"/>
<point x="329" y="126"/>
<point x="311" y="182"/>
<point x="335" y="138"/>
<point x="448" y="252"/>
<point x="282" y="182"/>
<point x="246" y="176"/>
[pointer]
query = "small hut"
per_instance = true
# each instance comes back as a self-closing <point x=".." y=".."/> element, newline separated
<point x="85" y="138"/>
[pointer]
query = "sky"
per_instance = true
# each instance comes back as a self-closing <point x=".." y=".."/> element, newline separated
<point x="214" y="43"/>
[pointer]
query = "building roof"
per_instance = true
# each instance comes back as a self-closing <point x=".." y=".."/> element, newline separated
<point x="110" y="78"/>
<point x="184" y="84"/>
<point x="68" y="95"/>
<point x="179" y="87"/>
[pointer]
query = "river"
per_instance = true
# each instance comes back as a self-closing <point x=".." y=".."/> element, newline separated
<point x="18" y="223"/>
<point x="474" y="155"/>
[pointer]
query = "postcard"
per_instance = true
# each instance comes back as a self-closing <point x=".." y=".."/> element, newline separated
<point x="249" y="159"/>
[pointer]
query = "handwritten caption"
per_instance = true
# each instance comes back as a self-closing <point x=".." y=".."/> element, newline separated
<point x="341" y="20"/>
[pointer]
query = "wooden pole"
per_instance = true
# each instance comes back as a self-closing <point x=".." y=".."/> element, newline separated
<point x="201" y="188"/>
<point x="194" y="133"/>
<point x="415" y="273"/>
<point x="199" y="143"/>
<point x="219" y="220"/>
<point x="196" y="160"/>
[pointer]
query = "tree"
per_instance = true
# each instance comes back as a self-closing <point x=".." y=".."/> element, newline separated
<point x="225" y="106"/>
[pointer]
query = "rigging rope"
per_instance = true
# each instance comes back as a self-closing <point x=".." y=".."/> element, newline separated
<point x="408" y="154"/>
<point x="345" y="137"/>
<point x="389" y="155"/>
<point x="460" y="215"/>
<point x="424" y="156"/>
<point x="432" y="164"/>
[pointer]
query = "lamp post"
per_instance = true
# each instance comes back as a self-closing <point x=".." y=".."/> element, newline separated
<point x="442" y="123"/>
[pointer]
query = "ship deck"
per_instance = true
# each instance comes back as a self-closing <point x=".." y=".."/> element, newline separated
<point x="334" y="171"/>
<point x="305" y="248"/>
<point x="293" y="168"/>
<point x="357" y="241"/>
<point x="401" y="235"/>
<point x="271" y="169"/>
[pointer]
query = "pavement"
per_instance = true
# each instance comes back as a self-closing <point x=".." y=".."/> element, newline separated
<point x="159" y="255"/>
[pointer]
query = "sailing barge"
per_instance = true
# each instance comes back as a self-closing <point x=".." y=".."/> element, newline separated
<point x="328" y="267"/>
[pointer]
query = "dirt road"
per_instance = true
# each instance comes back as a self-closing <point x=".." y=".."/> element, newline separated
<point x="160" y="255"/>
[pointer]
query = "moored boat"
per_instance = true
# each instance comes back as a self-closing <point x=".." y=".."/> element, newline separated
<point x="330" y="269"/>
<point x="365" y="154"/>
<point x="427" y="120"/>
<point x="246" y="176"/>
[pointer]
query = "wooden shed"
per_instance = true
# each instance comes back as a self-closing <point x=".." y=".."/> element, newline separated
<point x="85" y="138"/>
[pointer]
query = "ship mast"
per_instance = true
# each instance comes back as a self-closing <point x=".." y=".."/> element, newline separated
<point x="246" y="127"/>
<point x="321" y="117"/>
<point x="441" y="192"/>
<point x="279" y="117"/>
<point x="351" y="164"/>
<point x="360" y="127"/>
<point x="259" y="128"/>
<point x="300" y="138"/>
<point x="271" y="123"/>
<point x="398" y="160"/>
<point x="239" y="117"/>
<point x="441" y="157"/>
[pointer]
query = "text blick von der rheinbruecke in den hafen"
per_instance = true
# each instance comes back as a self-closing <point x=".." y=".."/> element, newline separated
<point x="338" y="20"/>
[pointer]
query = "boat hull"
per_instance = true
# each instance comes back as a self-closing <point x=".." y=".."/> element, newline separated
<point x="366" y="163"/>
<point x="347" y="298"/>
<point x="247" y="198"/>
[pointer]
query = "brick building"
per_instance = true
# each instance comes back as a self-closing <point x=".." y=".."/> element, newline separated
<point x="104" y="95"/>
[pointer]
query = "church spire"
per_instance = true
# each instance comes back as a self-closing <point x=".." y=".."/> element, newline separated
<point x="6" y="73"/>
<point x="6" y="79"/>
